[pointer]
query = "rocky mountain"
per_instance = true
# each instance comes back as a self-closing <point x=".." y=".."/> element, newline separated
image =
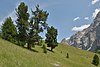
<point x="88" y="39"/>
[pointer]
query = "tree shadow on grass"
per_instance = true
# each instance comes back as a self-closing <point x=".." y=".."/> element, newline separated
<point x="34" y="50"/>
<point x="50" y="50"/>
<point x="31" y="50"/>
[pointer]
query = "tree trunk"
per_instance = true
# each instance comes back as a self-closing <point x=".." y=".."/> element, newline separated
<point x="51" y="48"/>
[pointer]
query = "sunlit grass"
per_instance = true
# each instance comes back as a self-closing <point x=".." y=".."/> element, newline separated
<point x="14" y="56"/>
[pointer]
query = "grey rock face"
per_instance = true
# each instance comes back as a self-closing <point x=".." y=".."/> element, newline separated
<point x="88" y="39"/>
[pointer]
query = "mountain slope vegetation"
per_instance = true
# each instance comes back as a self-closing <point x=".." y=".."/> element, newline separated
<point x="14" y="56"/>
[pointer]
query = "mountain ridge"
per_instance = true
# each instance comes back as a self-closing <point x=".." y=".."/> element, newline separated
<point x="87" y="39"/>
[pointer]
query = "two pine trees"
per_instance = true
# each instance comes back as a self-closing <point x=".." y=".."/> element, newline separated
<point x="27" y="29"/>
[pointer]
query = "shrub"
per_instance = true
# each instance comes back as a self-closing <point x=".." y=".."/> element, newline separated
<point x="98" y="52"/>
<point x="44" y="49"/>
<point x="67" y="55"/>
<point x="95" y="60"/>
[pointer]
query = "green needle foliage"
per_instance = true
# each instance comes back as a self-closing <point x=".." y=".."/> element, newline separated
<point x="95" y="60"/>
<point x="37" y="25"/>
<point x="29" y="29"/>
<point x="9" y="31"/>
<point x="51" y="37"/>
<point x="22" y="23"/>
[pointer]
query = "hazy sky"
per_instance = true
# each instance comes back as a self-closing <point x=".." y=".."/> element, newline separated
<point x="68" y="16"/>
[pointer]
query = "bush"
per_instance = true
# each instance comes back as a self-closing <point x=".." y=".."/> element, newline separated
<point x="44" y="49"/>
<point x="67" y="55"/>
<point x="98" y="52"/>
<point x="95" y="60"/>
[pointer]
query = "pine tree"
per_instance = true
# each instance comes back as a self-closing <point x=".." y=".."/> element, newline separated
<point x="22" y="23"/>
<point x="37" y="25"/>
<point x="9" y="31"/>
<point x="51" y="37"/>
<point x="95" y="60"/>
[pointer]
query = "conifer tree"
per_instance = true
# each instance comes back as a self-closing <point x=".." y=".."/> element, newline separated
<point x="37" y="25"/>
<point x="22" y="23"/>
<point x="9" y="31"/>
<point x="51" y="37"/>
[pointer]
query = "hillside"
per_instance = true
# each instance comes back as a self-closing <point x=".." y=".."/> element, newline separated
<point x="14" y="56"/>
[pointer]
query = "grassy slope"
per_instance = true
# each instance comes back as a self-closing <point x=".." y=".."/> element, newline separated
<point x="15" y="56"/>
